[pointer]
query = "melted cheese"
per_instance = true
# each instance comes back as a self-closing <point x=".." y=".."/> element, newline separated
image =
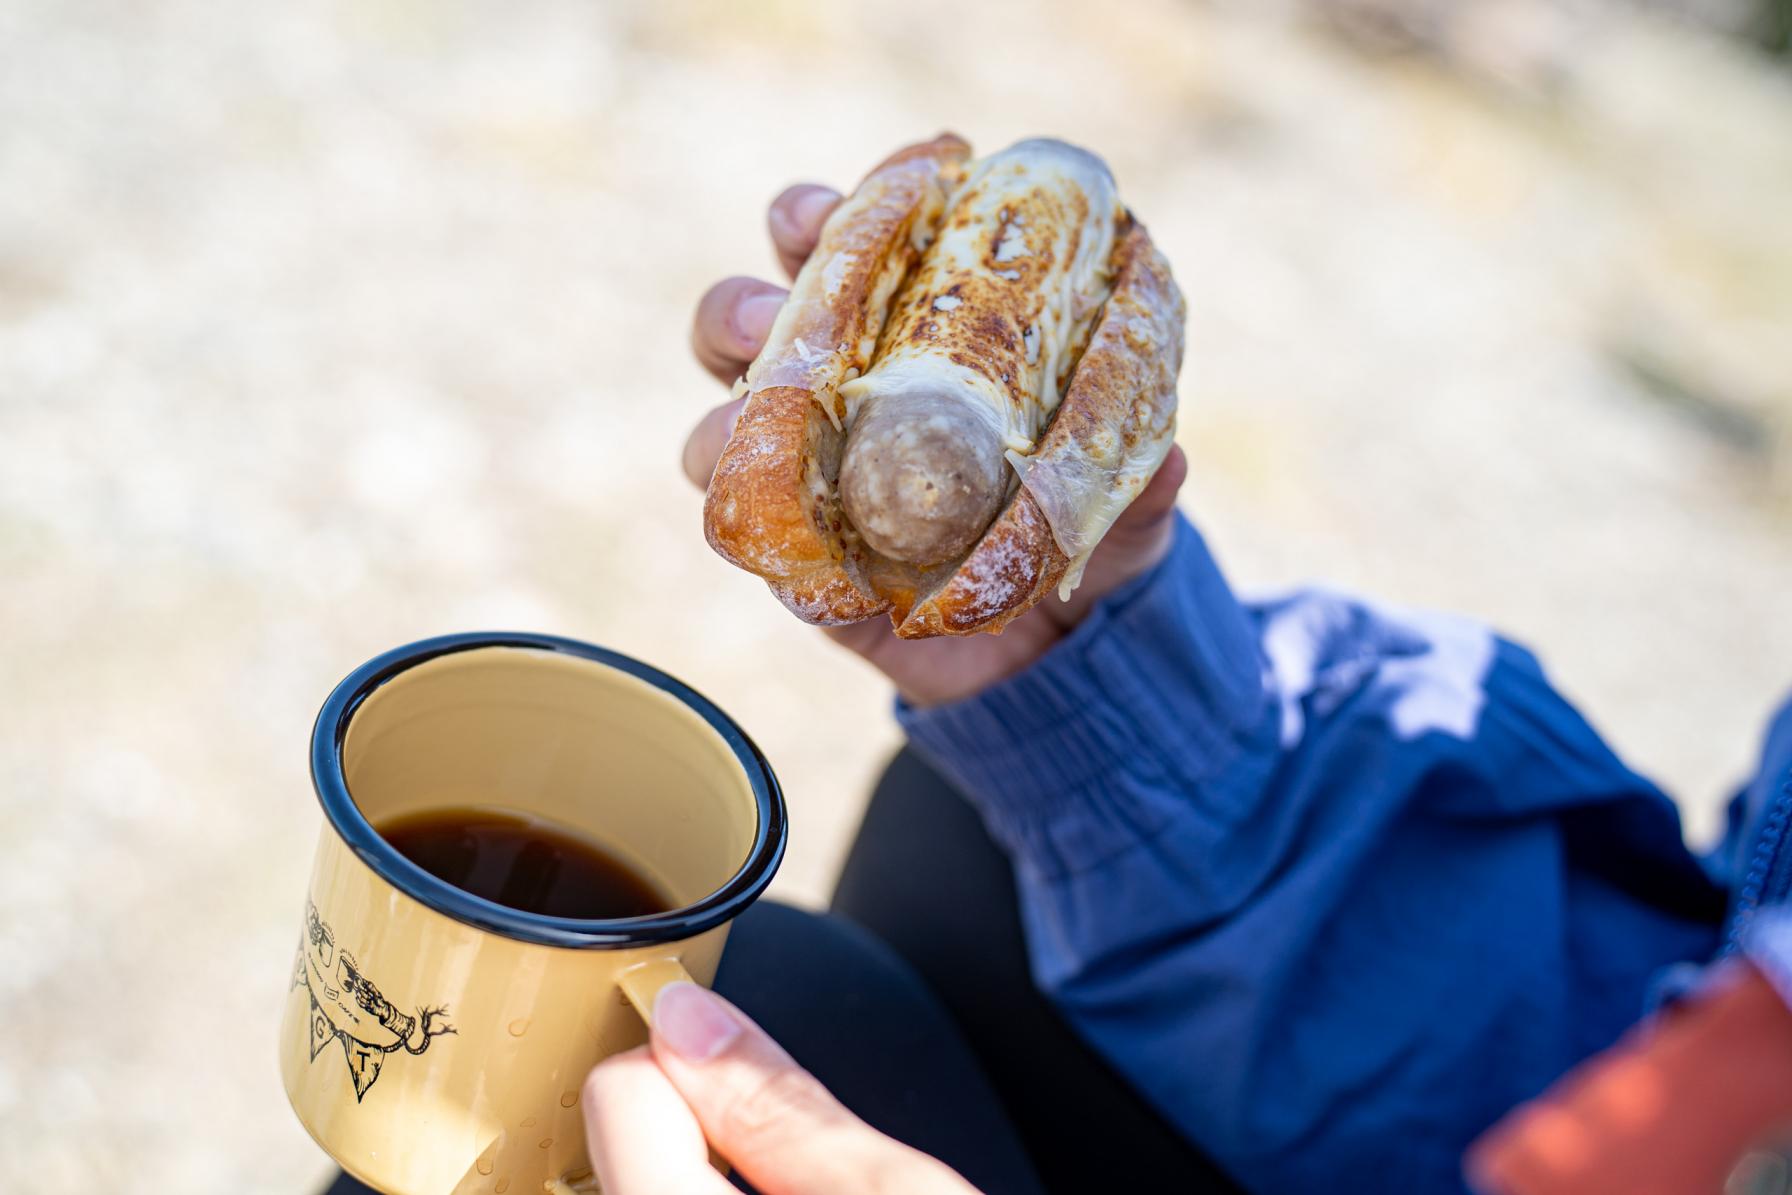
<point x="1081" y="495"/>
<point x="1083" y="485"/>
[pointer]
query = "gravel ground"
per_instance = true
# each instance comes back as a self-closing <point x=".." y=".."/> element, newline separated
<point x="327" y="327"/>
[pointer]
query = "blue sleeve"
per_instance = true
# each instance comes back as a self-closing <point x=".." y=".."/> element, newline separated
<point x="1333" y="885"/>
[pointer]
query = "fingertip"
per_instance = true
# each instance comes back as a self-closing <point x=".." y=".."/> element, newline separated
<point x="796" y="216"/>
<point x="736" y="314"/>
<point x="1479" y="1172"/>
<point x="612" y="1086"/>
<point x="695" y="1023"/>
<point x="703" y="448"/>
<point x="1173" y="472"/>
<point x="752" y="318"/>
<point x="600" y="1079"/>
<point x="639" y="1133"/>
<point x="731" y="324"/>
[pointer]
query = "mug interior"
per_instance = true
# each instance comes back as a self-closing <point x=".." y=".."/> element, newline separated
<point x="624" y="756"/>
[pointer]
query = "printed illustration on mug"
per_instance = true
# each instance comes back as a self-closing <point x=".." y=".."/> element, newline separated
<point x="347" y="1007"/>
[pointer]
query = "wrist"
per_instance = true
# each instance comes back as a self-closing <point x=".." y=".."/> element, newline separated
<point x="988" y="661"/>
<point x="1128" y="719"/>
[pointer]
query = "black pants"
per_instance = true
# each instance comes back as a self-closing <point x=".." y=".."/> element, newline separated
<point x="914" y="1005"/>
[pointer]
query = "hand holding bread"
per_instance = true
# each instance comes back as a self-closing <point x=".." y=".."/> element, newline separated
<point x="1090" y="342"/>
<point x="972" y="376"/>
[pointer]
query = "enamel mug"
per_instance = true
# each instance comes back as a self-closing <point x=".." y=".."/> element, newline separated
<point x="434" y="1042"/>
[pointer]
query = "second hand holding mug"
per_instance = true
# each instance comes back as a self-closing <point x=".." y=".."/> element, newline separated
<point x="435" y="1041"/>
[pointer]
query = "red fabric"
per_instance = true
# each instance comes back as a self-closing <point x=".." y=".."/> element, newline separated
<point x="1667" y="1111"/>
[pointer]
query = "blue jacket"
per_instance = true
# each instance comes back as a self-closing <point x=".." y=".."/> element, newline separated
<point x="1335" y="884"/>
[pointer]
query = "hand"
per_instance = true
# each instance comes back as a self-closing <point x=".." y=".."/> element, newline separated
<point x="1670" y="1108"/>
<point x="732" y="323"/>
<point x="711" y="1073"/>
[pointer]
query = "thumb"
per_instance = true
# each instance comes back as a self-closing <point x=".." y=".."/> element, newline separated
<point x="773" y="1120"/>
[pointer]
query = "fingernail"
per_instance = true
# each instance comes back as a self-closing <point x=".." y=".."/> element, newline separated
<point x="693" y="1022"/>
<point x="754" y="316"/>
<point x="810" y="208"/>
<point x="798" y="219"/>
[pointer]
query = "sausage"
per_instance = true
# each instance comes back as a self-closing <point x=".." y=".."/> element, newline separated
<point x="922" y="476"/>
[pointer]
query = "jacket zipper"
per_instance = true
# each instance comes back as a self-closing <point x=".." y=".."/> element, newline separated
<point x="1768" y="865"/>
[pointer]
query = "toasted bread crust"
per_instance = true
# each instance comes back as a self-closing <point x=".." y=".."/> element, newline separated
<point x="1015" y="564"/>
<point x="772" y="507"/>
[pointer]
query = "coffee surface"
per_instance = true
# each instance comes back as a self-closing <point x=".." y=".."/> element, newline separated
<point x="524" y="863"/>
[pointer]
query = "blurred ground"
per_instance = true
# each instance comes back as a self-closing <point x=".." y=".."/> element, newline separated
<point x="323" y="328"/>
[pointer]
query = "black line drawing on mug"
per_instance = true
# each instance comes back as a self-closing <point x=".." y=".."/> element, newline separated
<point x="347" y="1007"/>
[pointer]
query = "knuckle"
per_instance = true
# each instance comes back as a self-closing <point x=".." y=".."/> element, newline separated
<point x="787" y="200"/>
<point x="710" y="296"/>
<point x="734" y="286"/>
<point x="716" y="323"/>
<point x="722" y="295"/>
<point x="776" y="1107"/>
<point x="718" y="425"/>
<point x="704" y="326"/>
<point x="704" y="446"/>
<point x="795" y="216"/>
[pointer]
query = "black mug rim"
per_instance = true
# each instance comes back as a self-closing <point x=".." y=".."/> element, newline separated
<point x="331" y="731"/>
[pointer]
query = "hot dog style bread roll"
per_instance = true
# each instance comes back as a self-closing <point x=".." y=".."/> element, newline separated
<point x="973" y="376"/>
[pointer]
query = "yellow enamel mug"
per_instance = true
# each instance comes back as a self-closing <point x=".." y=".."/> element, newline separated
<point x="434" y="1042"/>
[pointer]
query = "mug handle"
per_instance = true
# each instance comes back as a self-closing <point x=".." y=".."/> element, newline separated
<point x="642" y="982"/>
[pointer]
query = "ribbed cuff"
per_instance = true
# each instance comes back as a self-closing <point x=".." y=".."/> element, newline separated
<point x="1094" y="746"/>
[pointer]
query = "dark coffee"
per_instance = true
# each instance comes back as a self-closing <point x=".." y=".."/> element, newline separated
<point x="524" y="863"/>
